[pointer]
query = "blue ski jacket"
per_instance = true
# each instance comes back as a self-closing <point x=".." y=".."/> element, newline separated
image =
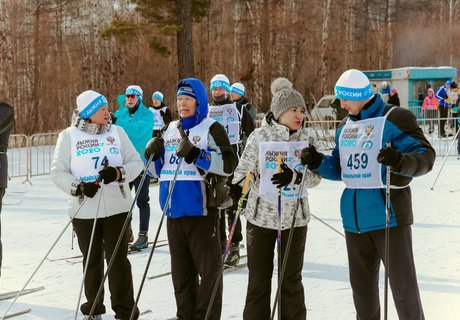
<point x="189" y="198"/>
<point x="363" y="210"/>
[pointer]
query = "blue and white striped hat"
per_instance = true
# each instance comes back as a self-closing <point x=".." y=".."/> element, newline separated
<point x="185" y="90"/>
<point x="237" y="88"/>
<point x="134" y="89"/>
<point x="353" y="85"/>
<point x="88" y="102"/>
<point x="157" y="95"/>
<point x="220" y="81"/>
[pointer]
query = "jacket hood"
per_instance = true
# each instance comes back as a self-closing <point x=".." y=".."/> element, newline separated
<point x="201" y="102"/>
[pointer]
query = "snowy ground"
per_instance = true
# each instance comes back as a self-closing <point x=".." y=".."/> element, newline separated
<point x="34" y="215"/>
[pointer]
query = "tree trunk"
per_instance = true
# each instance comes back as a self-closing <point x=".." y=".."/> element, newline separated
<point x="185" y="59"/>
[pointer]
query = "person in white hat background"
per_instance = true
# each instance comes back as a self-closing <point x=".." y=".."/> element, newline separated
<point x="137" y="121"/>
<point x="385" y="91"/>
<point x="373" y="137"/>
<point x="93" y="163"/>
<point x="237" y="94"/>
<point x="162" y="116"/>
<point x="239" y="125"/>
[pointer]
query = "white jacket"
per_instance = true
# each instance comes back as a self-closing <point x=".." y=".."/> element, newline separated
<point x="258" y="211"/>
<point x="116" y="197"/>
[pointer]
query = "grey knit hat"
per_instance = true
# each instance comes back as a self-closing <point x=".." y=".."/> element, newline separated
<point x="284" y="97"/>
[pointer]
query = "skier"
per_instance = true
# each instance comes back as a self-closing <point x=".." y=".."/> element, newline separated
<point x="237" y="96"/>
<point x="162" y="116"/>
<point x="360" y="159"/>
<point x="6" y="125"/>
<point x="192" y="225"/>
<point x="137" y="121"/>
<point x="281" y="131"/>
<point x="238" y="123"/>
<point x="79" y="168"/>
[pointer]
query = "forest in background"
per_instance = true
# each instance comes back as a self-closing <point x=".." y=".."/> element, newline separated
<point x="52" y="50"/>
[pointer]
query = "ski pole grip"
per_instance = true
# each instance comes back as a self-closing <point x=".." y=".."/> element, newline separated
<point x="245" y="189"/>
<point x="98" y="180"/>
<point x="279" y="159"/>
<point x="181" y="131"/>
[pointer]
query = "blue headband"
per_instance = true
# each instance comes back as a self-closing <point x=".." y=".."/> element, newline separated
<point x="186" y="91"/>
<point x="92" y="108"/>
<point x="220" y="84"/>
<point x="354" y="93"/>
<point x="132" y="91"/>
<point x="237" y="91"/>
<point x="157" y="96"/>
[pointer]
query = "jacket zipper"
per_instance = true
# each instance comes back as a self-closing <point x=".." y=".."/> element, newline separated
<point x="255" y="210"/>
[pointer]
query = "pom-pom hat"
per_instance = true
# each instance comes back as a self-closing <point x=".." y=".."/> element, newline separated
<point x="89" y="102"/>
<point x="353" y="85"/>
<point x="284" y="97"/>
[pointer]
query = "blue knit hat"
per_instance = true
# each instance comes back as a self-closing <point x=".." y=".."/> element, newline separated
<point x="220" y="81"/>
<point x="89" y="102"/>
<point x="237" y="88"/>
<point x="353" y="85"/>
<point x="157" y="95"/>
<point x="186" y="90"/>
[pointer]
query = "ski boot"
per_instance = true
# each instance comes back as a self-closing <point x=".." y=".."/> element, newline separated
<point x="96" y="317"/>
<point x="233" y="257"/>
<point x="141" y="243"/>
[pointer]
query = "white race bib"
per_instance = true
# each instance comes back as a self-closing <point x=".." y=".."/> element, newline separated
<point x="158" y="121"/>
<point x="90" y="152"/>
<point x="268" y="152"/>
<point x="229" y="117"/>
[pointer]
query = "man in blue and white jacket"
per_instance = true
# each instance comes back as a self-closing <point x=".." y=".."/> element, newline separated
<point x="193" y="225"/>
<point x="373" y="136"/>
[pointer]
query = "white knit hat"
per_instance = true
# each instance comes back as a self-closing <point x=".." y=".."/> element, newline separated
<point x="220" y="81"/>
<point x="237" y="88"/>
<point x="157" y="95"/>
<point x="353" y="85"/>
<point x="134" y="89"/>
<point x="89" y="102"/>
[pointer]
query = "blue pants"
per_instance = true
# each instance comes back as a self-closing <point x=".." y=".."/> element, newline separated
<point x="142" y="201"/>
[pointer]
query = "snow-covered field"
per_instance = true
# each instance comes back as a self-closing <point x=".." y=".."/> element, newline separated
<point x="34" y="215"/>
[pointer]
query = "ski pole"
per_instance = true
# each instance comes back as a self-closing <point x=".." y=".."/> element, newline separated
<point x="122" y="233"/>
<point x="288" y="245"/>
<point x="445" y="158"/>
<point x="244" y="192"/>
<point x="93" y="231"/>
<point x="165" y="210"/>
<point x="167" y="205"/>
<point x="279" y="159"/>
<point x="44" y="258"/>
<point x="387" y="237"/>
<point x="327" y="225"/>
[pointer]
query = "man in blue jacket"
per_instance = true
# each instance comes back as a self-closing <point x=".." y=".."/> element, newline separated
<point x="137" y="121"/>
<point x="193" y="218"/>
<point x="443" y="94"/>
<point x="373" y="136"/>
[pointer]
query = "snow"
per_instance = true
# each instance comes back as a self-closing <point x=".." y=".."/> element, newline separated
<point x="34" y="215"/>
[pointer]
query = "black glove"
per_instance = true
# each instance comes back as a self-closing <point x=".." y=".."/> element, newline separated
<point x="155" y="147"/>
<point x="235" y="190"/>
<point x="285" y="176"/>
<point x="88" y="189"/>
<point x="392" y="157"/>
<point x="311" y="157"/>
<point x="114" y="119"/>
<point x="109" y="174"/>
<point x="187" y="150"/>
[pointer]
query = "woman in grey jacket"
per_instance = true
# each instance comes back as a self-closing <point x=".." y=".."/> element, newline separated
<point x="282" y="133"/>
<point x="93" y="162"/>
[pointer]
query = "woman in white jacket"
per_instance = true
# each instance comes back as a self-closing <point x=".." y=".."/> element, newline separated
<point x="282" y="133"/>
<point x="93" y="163"/>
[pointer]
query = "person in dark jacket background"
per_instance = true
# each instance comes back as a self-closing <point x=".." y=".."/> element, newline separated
<point x="6" y="125"/>
<point x="162" y="116"/>
<point x="193" y="222"/>
<point x="394" y="98"/>
<point x="360" y="159"/>
<point x="237" y="95"/>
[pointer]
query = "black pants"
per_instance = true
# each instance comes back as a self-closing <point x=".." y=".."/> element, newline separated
<point x="2" y="193"/>
<point x="120" y="278"/>
<point x="226" y="218"/>
<point x="196" y="263"/>
<point x="365" y="251"/>
<point x="260" y="246"/>
<point x="442" y="121"/>
<point x="142" y="201"/>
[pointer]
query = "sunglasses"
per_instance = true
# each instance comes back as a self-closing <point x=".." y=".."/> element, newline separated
<point x="131" y="96"/>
